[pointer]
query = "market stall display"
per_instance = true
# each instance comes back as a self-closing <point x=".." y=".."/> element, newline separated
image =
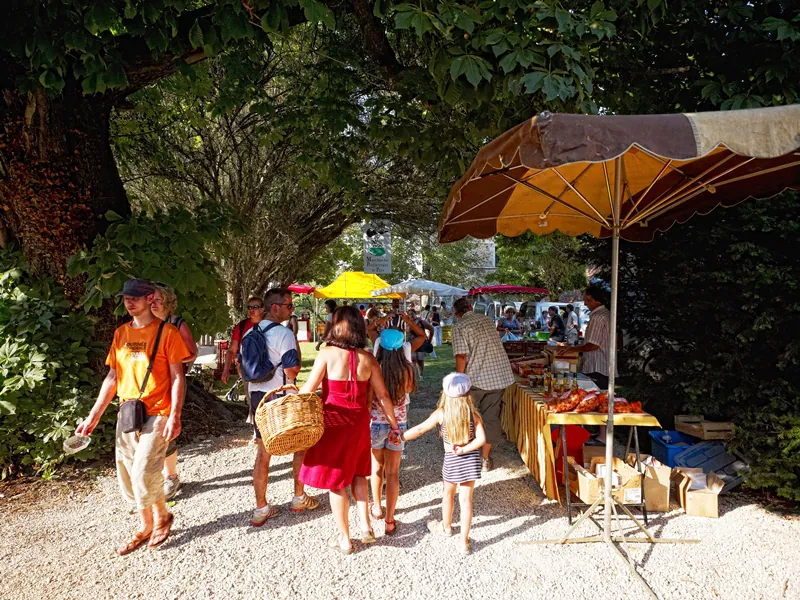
<point x="526" y="420"/>
<point x="621" y="177"/>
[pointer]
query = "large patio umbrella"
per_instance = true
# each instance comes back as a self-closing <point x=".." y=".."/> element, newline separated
<point x="621" y="177"/>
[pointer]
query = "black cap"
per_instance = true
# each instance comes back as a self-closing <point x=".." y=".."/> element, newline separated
<point x="137" y="288"/>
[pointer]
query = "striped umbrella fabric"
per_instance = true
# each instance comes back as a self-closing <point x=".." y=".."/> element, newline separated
<point x="558" y="172"/>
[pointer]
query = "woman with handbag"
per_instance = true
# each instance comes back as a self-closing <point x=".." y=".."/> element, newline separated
<point x="418" y="357"/>
<point x="350" y="377"/>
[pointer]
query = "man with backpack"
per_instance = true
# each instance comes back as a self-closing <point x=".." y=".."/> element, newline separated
<point x="268" y="360"/>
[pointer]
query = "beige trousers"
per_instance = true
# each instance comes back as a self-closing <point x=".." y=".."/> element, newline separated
<point x="140" y="458"/>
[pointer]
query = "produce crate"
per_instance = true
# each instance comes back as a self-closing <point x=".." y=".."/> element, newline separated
<point x="533" y="348"/>
<point x="514" y="347"/>
<point x="666" y="452"/>
<point x="698" y="427"/>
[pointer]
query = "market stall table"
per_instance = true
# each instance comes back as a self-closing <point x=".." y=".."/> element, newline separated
<point x="527" y="422"/>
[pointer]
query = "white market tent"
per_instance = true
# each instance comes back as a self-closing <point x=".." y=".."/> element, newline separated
<point x="421" y="286"/>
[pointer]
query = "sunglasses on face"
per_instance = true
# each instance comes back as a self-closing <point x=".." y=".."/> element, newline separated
<point x="255" y="307"/>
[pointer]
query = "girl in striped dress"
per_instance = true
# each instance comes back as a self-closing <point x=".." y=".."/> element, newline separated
<point x="463" y="435"/>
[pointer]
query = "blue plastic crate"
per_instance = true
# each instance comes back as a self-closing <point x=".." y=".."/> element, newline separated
<point x="666" y="452"/>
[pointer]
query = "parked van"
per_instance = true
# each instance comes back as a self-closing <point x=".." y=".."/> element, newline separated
<point x="534" y="309"/>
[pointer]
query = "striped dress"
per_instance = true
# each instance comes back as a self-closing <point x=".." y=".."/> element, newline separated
<point x="464" y="468"/>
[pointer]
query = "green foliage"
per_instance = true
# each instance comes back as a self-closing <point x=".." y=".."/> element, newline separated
<point x="415" y="254"/>
<point x="173" y="247"/>
<point x="710" y="312"/>
<point x="689" y="55"/>
<point x="550" y="261"/>
<point x="46" y="382"/>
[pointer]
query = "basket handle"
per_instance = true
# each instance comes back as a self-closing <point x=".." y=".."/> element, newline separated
<point x="269" y="394"/>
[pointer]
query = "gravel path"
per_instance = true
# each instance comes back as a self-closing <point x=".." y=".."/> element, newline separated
<point x="66" y="550"/>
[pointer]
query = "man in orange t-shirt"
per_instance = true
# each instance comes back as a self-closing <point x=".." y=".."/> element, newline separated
<point x="140" y="455"/>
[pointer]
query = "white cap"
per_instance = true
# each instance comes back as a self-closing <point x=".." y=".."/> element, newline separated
<point x="456" y="384"/>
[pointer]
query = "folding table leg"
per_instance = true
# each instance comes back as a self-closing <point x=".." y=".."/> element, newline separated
<point x="566" y="472"/>
<point x="635" y="431"/>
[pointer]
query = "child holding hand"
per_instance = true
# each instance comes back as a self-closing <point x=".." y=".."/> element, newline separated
<point x="463" y="435"/>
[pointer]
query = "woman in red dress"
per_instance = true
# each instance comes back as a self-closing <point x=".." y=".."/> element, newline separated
<point x="349" y="376"/>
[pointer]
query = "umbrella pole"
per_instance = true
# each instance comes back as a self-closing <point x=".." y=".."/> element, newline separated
<point x="612" y="343"/>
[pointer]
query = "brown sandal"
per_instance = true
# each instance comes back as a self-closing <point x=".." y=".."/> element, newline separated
<point x="393" y="525"/>
<point x="161" y="532"/>
<point x="333" y="542"/>
<point x="372" y="514"/>
<point x="132" y="543"/>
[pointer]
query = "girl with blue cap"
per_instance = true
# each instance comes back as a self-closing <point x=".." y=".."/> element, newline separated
<point x="394" y="357"/>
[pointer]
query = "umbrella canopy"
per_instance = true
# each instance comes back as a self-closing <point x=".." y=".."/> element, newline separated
<point x="507" y="289"/>
<point x="356" y="285"/>
<point x="296" y="288"/>
<point x="421" y="286"/>
<point x="552" y="172"/>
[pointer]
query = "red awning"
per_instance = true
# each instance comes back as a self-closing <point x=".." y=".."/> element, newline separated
<point x="507" y="289"/>
<point x="300" y="289"/>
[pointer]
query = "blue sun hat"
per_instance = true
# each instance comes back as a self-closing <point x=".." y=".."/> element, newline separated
<point x="392" y="339"/>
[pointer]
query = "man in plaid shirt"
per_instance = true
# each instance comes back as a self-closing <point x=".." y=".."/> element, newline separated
<point x="479" y="353"/>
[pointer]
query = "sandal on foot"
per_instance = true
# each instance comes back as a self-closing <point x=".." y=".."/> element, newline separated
<point x="161" y="532"/>
<point x="466" y="548"/>
<point x="377" y="517"/>
<point x="132" y="543"/>
<point x="368" y="536"/>
<point x="438" y="528"/>
<point x="333" y="542"/>
<point x="393" y="525"/>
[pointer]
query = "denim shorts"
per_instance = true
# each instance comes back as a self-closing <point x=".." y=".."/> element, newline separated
<point x="379" y="432"/>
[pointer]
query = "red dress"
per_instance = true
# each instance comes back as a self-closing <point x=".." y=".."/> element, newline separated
<point x="343" y="451"/>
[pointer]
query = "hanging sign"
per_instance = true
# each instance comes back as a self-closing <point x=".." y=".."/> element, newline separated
<point x="377" y="247"/>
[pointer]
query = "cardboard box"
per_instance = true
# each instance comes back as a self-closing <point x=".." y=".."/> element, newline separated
<point x="588" y="486"/>
<point x="698" y="502"/>
<point x="591" y="451"/>
<point x="656" y="482"/>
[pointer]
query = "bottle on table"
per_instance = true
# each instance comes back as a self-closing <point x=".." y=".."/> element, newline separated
<point x="574" y="381"/>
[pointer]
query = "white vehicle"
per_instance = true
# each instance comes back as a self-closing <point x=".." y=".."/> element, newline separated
<point x="535" y="309"/>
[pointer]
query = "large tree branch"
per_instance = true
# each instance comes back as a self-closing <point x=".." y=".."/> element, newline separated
<point x="375" y="41"/>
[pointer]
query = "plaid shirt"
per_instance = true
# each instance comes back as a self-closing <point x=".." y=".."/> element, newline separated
<point x="487" y="363"/>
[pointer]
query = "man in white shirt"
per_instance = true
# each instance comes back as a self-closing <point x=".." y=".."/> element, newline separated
<point x="598" y="332"/>
<point x="282" y="348"/>
<point x="447" y="314"/>
<point x="573" y="325"/>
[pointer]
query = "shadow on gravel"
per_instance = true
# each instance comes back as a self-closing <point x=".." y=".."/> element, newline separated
<point x="242" y="478"/>
<point x="241" y="520"/>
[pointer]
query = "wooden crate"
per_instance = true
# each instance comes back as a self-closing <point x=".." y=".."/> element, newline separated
<point x="697" y="426"/>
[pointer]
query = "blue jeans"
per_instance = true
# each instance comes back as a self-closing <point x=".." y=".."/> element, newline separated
<point x="379" y="432"/>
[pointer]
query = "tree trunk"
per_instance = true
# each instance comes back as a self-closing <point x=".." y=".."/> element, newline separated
<point x="58" y="176"/>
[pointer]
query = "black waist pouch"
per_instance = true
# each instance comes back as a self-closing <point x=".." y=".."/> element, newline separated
<point x="132" y="415"/>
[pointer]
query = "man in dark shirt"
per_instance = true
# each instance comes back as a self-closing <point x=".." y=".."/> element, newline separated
<point x="556" y="324"/>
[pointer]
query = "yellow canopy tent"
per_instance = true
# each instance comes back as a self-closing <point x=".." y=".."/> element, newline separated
<point x="355" y="284"/>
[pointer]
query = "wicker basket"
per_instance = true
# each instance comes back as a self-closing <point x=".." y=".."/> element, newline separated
<point x="289" y="424"/>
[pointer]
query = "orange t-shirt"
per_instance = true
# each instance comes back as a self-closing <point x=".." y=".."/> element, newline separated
<point x="129" y="356"/>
